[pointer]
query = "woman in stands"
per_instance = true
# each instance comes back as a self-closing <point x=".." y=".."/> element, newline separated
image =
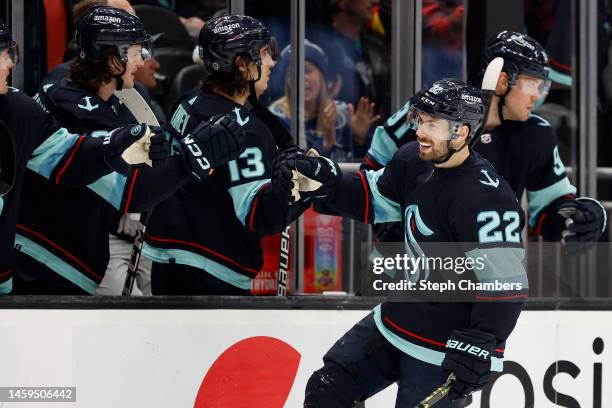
<point x="327" y="121"/>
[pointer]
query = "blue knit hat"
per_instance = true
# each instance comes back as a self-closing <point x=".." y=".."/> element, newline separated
<point x="312" y="53"/>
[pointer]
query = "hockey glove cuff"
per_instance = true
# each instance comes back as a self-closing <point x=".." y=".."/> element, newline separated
<point x="468" y="357"/>
<point x="213" y="144"/>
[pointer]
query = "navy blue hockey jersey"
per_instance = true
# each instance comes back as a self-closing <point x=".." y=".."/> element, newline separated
<point x="524" y="153"/>
<point x="69" y="234"/>
<point x="469" y="204"/>
<point x="216" y="224"/>
<point x="58" y="156"/>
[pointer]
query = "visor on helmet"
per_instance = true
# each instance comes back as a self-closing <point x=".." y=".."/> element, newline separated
<point x="145" y="52"/>
<point x="12" y="50"/>
<point x="533" y="86"/>
<point x="431" y="125"/>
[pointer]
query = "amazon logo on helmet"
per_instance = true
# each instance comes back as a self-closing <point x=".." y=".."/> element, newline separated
<point x="108" y="26"/>
<point x="223" y="38"/>
<point x="455" y="101"/>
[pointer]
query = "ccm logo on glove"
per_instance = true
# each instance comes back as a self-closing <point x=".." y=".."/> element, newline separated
<point x="468" y="348"/>
<point x="195" y="150"/>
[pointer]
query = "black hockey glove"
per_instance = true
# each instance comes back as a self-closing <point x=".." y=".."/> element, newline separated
<point x="576" y="222"/>
<point x="468" y="357"/>
<point x="283" y="178"/>
<point x="119" y="140"/>
<point x="160" y="148"/>
<point x="585" y="221"/>
<point x="306" y="176"/>
<point x="213" y="144"/>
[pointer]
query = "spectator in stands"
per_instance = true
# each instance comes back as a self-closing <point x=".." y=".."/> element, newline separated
<point x="192" y="13"/>
<point x="327" y="121"/>
<point x="361" y="60"/>
<point x="442" y="40"/>
<point x="146" y="76"/>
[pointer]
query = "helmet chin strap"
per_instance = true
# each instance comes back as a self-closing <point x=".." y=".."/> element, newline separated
<point x="252" y="93"/>
<point x="119" y="77"/>
<point x="450" y="152"/>
<point x="502" y="102"/>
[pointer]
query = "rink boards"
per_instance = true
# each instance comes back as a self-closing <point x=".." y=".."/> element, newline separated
<point x="159" y="358"/>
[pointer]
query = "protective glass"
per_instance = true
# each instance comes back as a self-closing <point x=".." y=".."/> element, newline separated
<point x="12" y="51"/>
<point x="533" y="86"/>
<point x="430" y="125"/>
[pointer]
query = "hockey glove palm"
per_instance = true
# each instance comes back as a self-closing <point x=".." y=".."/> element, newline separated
<point x="213" y="144"/>
<point x="119" y="141"/>
<point x="468" y="357"/>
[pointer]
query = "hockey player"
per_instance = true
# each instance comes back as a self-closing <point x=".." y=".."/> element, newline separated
<point x="64" y="246"/>
<point x="28" y="133"/>
<point x="521" y="145"/>
<point x="213" y="245"/>
<point x="443" y="192"/>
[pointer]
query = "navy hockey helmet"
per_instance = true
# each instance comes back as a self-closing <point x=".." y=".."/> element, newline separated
<point x="6" y="42"/>
<point x="453" y="100"/>
<point x="223" y="38"/>
<point x="105" y="26"/>
<point x="522" y="55"/>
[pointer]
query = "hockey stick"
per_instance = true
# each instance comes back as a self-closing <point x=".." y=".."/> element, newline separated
<point x="143" y="114"/>
<point x="283" y="140"/>
<point x="438" y="393"/>
<point x="489" y="83"/>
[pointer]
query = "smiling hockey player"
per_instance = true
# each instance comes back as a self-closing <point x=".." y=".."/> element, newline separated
<point x="520" y="145"/>
<point x="28" y="133"/>
<point x="64" y="246"/>
<point x="443" y="192"/>
<point x="213" y="246"/>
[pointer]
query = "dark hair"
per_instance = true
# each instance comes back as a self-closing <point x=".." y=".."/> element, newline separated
<point x="82" y="7"/>
<point x="230" y="83"/>
<point x="92" y="75"/>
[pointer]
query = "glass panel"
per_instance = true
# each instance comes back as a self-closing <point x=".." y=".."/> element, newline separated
<point x="347" y="93"/>
<point x="442" y="40"/>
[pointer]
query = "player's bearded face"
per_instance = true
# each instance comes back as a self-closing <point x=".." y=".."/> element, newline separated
<point x="6" y="64"/>
<point x="432" y="135"/>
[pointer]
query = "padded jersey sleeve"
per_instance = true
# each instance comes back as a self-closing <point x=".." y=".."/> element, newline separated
<point x="548" y="181"/>
<point x="388" y="138"/>
<point x="376" y="196"/>
<point x="257" y="203"/>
